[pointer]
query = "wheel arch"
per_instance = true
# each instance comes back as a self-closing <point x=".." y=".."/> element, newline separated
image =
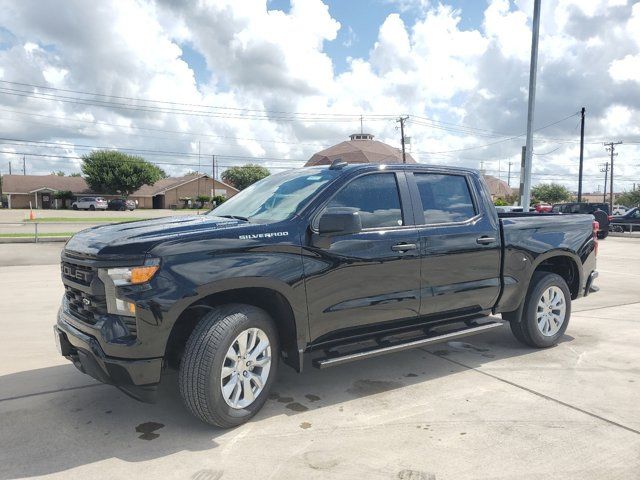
<point x="563" y="264"/>
<point x="274" y="302"/>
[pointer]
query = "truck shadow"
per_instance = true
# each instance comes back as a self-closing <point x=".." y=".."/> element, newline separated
<point x="82" y="423"/>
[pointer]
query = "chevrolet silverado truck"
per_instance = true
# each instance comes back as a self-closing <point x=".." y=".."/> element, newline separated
<point x="336" y="263"/>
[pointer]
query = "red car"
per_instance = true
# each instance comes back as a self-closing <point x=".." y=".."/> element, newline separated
<point x="543" y="208"/>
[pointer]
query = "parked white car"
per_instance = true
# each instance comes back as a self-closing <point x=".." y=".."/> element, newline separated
<point x="619" y="210"/>
<point x="90" y="203"/>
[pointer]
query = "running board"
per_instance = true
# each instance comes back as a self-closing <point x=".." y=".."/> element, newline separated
<point x="387" y="345"/>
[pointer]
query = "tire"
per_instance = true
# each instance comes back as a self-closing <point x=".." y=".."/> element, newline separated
<point x="200" y="376"/>
<point x="74" y="206"/>
<point x="603" y="234"/>
<point x="617" y="228"/>
<point x="528" y="330"/>
<point x="122" y="209"/>
<point x="92" y="207"/>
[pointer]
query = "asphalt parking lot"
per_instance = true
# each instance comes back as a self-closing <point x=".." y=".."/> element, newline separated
<point x="485" y="407"/>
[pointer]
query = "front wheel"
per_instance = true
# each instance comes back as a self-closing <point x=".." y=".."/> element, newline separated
<point x="546" y="312"/>
<point x="229" y="364"/>
<point x="92" y="207"/>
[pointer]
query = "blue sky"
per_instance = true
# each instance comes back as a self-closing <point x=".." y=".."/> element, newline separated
<point x="359" y="22"/>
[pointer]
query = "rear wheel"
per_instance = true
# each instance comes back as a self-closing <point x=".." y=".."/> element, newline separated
<point x="546" y="312"/>
<point x="92" y="207"/>
<point x="74" y="206"/>
<point x="229" y="364"/>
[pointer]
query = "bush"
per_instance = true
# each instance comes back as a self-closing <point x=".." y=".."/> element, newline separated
<point x="218" y="200"/>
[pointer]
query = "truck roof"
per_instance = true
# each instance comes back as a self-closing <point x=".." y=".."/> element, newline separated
<point x="412" y="166"/>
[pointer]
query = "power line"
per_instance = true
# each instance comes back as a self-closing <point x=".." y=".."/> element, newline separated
<point x="318" y="118"/>
<point x="159" y="130"/>
<point x="18" y="141"/>
<point x="500" y="141"/>
<point x="139" y="99"/>
<point x="75" y="157"/>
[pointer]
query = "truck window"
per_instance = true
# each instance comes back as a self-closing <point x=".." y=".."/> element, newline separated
<point x="445" y="198"/>
<point x="375" y="197"/>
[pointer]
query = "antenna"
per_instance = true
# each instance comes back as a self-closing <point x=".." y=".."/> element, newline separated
<point x="338" y="164"/>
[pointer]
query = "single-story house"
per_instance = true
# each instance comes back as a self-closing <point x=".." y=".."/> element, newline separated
<point x="39" y="190"/>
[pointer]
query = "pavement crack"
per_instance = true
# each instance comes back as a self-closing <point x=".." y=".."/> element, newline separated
<point x="539" y="394"/>
<point x="46" y="392"/>
<point x="577" y="312"/>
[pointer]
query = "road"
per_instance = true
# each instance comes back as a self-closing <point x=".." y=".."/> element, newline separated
<point x="14" y="221"/>
<point x="483" y="408"/>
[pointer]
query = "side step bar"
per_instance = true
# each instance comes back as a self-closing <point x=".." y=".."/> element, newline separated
<point x="388" y="346"/>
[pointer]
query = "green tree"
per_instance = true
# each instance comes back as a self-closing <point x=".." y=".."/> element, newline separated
<point x="63" y="195"/>
<point x="218" y="200"/>
<point x="242" y="177"/>
<point x="75" y="174"/>
<point x="59" y="173"/>
<point x="112" y="172"/>
<point x="630" y="198"/>
<point x="551" y="193"/>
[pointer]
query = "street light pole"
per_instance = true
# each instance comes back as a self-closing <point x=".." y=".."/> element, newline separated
<point x="581" y="155"/>
<point x="525" y="195"/>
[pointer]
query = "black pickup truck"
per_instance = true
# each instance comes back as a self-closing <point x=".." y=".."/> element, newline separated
<point x="343" y="262"/>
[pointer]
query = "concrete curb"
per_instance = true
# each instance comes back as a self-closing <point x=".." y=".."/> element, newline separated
<point x="624" y="234"/>
<point x="32" y="240"/>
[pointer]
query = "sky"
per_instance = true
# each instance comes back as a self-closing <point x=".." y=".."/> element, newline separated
<point x="274" y="81"/>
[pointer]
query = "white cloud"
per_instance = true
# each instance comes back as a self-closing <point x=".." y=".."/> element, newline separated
<point x="265" y="59"/>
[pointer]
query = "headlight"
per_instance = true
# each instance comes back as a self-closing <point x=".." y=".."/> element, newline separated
<point x="122" y="276"/>
<point x="132" y="275"/>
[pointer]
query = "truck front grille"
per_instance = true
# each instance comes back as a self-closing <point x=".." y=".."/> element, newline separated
<point x="84" y="306"/>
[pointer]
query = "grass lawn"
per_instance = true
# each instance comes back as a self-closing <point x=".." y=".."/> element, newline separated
<point x="28" y="235"/>
<point x="86" y="219"/>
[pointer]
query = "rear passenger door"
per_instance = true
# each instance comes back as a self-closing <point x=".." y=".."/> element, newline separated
<point x="459" y="244"/>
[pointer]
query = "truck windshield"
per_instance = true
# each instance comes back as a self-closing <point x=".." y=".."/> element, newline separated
<point x="276" y="197"/>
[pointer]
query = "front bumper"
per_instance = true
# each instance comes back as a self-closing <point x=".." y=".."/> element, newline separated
<point x="138" y="378"/>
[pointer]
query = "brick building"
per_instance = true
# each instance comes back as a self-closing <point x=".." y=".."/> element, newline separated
<point x="165" y="193"/>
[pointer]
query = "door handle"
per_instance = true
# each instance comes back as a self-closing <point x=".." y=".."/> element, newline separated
<point x="403" y="247"/>
<point x="485" y="240"/>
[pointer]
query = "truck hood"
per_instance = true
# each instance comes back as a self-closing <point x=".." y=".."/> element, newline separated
<point x="139" y="237"/>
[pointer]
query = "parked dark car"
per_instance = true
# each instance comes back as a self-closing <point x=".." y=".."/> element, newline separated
<point x="600" y="212"/>
<point x="121" y="204"/>
<point x="628" y="222"/>
<point x="349" y="262"/>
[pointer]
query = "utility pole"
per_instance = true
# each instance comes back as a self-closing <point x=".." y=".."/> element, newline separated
<point x="482" y="166"/>
<point x="523" y="156"/>
<point x="361" y="127"/>
<point x="9" y="168"/>
<point x="605" y="169"/>
<point x="24" y="165"/>
<point x="611" y="148"/>
<point x="402" y="120"/>
<point x="509" y="174"/>
<point x="525" y="193"/>
<point x="199" y="165"/>
<point x="581" y="154"/>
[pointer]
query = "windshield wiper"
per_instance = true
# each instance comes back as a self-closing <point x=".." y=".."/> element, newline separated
<point x="236" y="217"/>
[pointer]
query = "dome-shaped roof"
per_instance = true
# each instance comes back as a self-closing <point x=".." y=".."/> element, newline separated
<point x="362" y="148"/>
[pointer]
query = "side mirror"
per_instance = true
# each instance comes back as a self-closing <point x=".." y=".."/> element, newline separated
<point x="340" y="222"/>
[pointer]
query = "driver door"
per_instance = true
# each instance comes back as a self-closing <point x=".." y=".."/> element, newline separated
<point x="370" y="277"/>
